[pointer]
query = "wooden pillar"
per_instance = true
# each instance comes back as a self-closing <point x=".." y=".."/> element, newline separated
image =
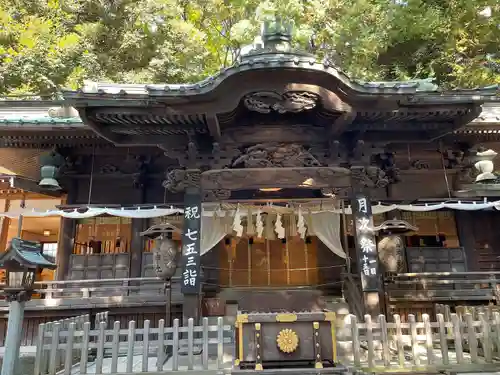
<point x="136" y="241"/>
<point x="66" y="237"/>
<point x="366" y="250"/>
<point x="191" y="258"/>
<point x="136" y="248"/>
<point x="5" y="226"/>
<point x="65" y="247"/>
<point x="466" y="236"/>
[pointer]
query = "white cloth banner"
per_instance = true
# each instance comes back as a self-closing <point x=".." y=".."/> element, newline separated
<point x="326" y="226"/>
<point x="462" y="206"/>
<point x="135" y="213"/>
<point x="212" y="232"/>
<point x="145" y="213"/>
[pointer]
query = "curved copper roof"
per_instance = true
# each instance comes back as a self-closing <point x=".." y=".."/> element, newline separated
<point x="149" y="114"/>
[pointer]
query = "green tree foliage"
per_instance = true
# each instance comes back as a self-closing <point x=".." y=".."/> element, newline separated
<point x="49" y="44"/>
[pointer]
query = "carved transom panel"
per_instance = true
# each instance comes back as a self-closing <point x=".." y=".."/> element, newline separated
<point x="266" y="155"/>
<point x="289" y="102"/>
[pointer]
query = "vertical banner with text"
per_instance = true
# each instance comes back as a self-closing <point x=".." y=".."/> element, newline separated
<point x="366" y="246"/>
<point x="191" y="262"/>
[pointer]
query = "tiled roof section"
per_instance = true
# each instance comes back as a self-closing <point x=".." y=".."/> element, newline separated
<point x="44" y="117"/>
<point x="32" y="257"/>
<point x="490" y="114"/>
<point x="478" y="132"/>
<point x="486" y="125"/>
<point x="39" y="116"/>
<point x="272" y="61"/>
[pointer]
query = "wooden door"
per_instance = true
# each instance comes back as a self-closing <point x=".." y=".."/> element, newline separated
<point x="486" y="244"/>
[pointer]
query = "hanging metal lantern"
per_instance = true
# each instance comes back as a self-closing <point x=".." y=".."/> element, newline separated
<point x="166" y="252"/>
<point x="391" y="246"/>
<point x="165" y="257"/>
<point x="49" y="170"/>
<point x="390" y="253"/>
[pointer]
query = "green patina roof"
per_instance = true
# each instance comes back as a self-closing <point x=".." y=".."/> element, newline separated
<point x="40" y="120"/>
<point x="274" y="53"/>
<point x="25" y="253"/>
<point x="33" y="113"/>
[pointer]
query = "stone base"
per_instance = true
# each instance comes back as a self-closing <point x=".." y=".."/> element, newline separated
<point x="337" y="370"/>
<point x="184" y="350"/>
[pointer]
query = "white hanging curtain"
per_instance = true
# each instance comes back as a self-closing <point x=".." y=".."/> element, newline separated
<point x="212" y="232"/>
<point x="326" y="226"/>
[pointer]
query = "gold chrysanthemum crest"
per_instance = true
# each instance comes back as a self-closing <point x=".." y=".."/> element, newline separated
<point x="287" y="340"/>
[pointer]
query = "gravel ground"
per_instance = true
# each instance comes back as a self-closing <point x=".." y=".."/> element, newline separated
<point x="26" y="366"/>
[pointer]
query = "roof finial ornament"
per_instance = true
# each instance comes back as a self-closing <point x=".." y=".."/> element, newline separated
<point x="485" y="166"/>
<point x="277" y="34"/>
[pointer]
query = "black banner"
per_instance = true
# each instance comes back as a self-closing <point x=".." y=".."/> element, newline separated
<point x="366" y="246"/>
<point x="191" y="282"/>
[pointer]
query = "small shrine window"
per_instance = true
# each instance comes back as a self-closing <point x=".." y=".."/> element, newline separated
<point x="49" y="249"/>
<point x="103" y="235"/>
<point x="435" y="247"/>
<point x="435" y="229"/>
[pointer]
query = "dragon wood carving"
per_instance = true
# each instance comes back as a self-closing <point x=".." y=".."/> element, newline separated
<point x="178" y="180"/>
<point x="369" y="177"/>
<point x="281" y="164"/>
<point x="289" y="102"/>
<point x="271" y="155"/>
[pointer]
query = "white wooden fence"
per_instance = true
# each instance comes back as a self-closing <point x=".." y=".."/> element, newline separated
<point x="376" y="345"/>
<point x="74" y="323"/>
<point x="461" y="343"/>
<point x="124" y="348"/>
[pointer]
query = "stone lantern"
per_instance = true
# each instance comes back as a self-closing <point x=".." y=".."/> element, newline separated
<point x="21" y="262"/>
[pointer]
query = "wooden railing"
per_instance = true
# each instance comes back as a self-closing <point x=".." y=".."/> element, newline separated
<point x="444" y="286"/>
<point x="104" y="287"/>
<point x="102" y="293"/>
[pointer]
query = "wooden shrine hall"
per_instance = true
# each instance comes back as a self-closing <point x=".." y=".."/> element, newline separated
<point x="279" y="174"/>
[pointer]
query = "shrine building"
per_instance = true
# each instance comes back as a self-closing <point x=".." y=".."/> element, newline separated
<point x="278" y="174"/>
